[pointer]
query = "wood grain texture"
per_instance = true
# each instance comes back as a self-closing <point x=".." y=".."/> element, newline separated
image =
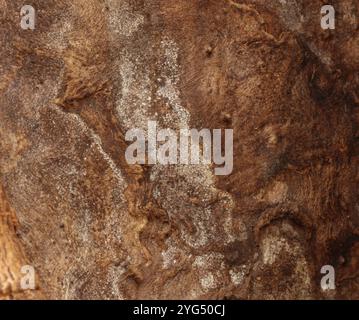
<point x="94" y="226"/>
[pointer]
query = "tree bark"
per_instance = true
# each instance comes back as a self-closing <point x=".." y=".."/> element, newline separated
<point x="94" y="226"/>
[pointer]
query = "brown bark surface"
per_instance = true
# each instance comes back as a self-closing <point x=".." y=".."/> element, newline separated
<point x="94" y="226"/>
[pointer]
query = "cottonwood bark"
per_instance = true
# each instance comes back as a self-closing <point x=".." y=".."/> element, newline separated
<point x="94" y="226"/>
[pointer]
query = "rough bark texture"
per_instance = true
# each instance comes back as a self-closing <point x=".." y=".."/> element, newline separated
<point x="95" y="227"/>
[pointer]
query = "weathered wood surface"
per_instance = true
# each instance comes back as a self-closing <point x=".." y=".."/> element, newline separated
<point x="95" y="227"/>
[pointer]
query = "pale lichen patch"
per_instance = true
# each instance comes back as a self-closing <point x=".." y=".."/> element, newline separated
<point x="272" y="247"/>
<point x="237" y="275"/>
<point x="208" y="282"/>
<point x="122" y="19"/>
